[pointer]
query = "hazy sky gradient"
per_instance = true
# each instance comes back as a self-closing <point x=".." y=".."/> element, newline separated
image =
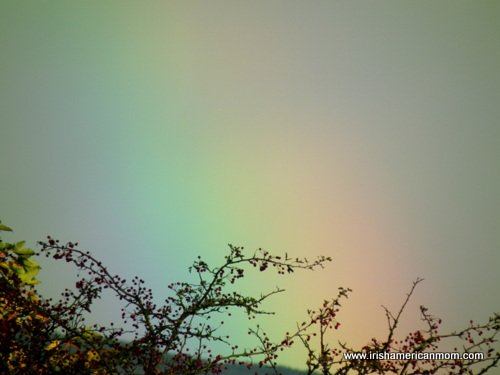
<point x="154" y="131"/>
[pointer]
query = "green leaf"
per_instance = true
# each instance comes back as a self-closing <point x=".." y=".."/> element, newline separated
<point x="5" y="245"/>
<point x="5" y="228"/>
<point x="24" y="252"/>
<point x="19" y="244"/>
<point x="19" y="249"/>
<point x="28" y="272"/>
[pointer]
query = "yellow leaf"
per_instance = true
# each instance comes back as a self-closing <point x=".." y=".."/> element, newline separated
<point x="52" y="345"/>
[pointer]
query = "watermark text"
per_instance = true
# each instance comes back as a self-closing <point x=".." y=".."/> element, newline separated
<point x="419" y="356"/>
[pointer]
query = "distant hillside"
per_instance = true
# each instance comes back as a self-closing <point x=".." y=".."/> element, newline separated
<point x="242" y="370"/>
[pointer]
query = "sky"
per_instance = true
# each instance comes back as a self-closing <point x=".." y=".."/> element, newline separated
<point x="153" y="132"/>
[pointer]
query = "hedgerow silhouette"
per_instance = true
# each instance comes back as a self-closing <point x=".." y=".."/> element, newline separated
<point x="45" y="336"/>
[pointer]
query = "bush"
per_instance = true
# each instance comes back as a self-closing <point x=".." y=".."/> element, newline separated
<point x="42" y="336"/>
